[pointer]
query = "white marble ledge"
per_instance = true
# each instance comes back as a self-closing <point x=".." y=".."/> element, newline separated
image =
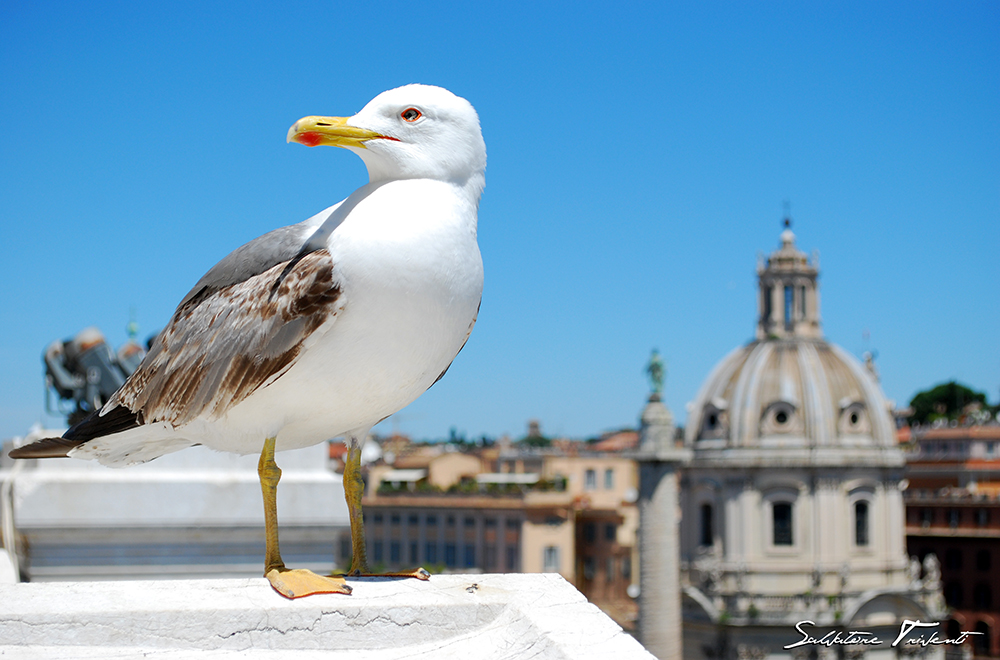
<point x="450" y="616"/>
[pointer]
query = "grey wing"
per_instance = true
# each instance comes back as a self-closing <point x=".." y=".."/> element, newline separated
<point x="223" y="344"/>
<point x="253" y="258"/>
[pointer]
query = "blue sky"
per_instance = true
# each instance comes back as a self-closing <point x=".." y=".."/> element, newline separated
<point x="638" y="162"/>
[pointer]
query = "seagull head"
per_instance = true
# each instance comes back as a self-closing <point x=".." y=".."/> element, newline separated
<point x="411" y="132"/>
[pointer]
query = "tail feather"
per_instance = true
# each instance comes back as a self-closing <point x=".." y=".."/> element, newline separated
<point x="93" y="426"/>
<point x="46" y="448"/>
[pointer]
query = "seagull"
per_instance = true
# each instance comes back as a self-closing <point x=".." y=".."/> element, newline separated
<point x="321" y="329"/>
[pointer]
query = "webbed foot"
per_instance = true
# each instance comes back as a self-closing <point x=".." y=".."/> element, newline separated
<point x="417" y="573"/>
<point x="300" y="582"/>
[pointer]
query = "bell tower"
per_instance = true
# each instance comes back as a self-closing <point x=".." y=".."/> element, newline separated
<point x="788" y="302"/>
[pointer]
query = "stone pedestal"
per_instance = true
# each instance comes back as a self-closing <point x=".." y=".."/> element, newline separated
<point x="450" y="616"/>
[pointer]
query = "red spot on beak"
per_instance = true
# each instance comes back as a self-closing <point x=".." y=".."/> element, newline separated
<point x="309" y="138"/>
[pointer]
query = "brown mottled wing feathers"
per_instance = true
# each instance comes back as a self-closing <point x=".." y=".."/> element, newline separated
<point x="223" y="344"/>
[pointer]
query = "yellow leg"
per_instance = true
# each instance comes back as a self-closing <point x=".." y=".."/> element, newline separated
<point x="354" y="490"/>
<point x="290" y="583"/>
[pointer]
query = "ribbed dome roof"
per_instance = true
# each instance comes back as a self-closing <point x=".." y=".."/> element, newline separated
<point x="789" y="387"/>
<point x="795" y="392"/>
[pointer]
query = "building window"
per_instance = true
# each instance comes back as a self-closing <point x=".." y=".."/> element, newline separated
<point x="609" y="570"/>
<point x="450" y="555"/>
<point x="451" y="521"/>
<point x="377" y="518"/>
<point x="926" y="517"/>
<point x="394" y="519"/>
<point x="470" y="556"/>
<point x="953" y="518"/>
<point x="590" y="480"/>
<point x="706" y="525"/>
<point x="610" y="532"/>
<point x="394" y="552"/>
<point x="414" y="553"/>
<point x="861" y="523"/>
<point x="588" y="568"/>
<point x="983" y="560"/>
<point x="511" y="558"/>
<point x="490" y="557"/>
<point x="627" y="568"/>
<point x="789" y="296"/>
<point x="802" y="303"/>
<point x="953" y="558"/>
<point x="982" y="597"/>
<point x="550" y="559"/>
<point x="432" y="521"/>
<point x="430" y="552"/>
<point x="345" y="547"/>
<point x="982" y="517"/>
<point x="513" y="524"/>
<point x="953" y="594"/>
<point x="609" y="479"/>
<point x="781" y="516"/>
<point x="470" y="521"/>
<point x="414" y="520"/>
<point x="489" y="522"/>
<point x="589" y="532"/>
<point x="377" y="551"/>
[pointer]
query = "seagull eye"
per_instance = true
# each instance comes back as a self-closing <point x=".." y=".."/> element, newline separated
<point x="410" y="115"/>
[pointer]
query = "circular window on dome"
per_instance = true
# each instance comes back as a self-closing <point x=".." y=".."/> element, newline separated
<point x="780" y="417"/>
<point x="854" y="419"/>
<point x="714" y="423"/>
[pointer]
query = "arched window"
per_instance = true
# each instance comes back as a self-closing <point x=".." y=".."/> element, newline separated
<point x="781" y="517"/>
<point x="981" y="642"/>
<point x="706" y="525"/>
<point x="861" y="523"/>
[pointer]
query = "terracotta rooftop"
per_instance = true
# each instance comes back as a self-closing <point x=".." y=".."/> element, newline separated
<point x="618" y="441"/>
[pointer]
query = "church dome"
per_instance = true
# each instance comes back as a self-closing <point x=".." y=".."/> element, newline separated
<point x="789" y="387"/>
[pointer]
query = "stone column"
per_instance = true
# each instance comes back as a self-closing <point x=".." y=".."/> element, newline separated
<point x="659" y="576"/>
<point x="660" y="596"/>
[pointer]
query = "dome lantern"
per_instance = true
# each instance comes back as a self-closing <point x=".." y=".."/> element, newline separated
<point x="788" y="304"/>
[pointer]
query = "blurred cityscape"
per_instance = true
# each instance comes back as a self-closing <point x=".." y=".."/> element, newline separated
<point x="795" y="492"/>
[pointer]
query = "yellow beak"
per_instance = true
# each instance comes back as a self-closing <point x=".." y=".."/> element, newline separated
<point x="333" y="131"/>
